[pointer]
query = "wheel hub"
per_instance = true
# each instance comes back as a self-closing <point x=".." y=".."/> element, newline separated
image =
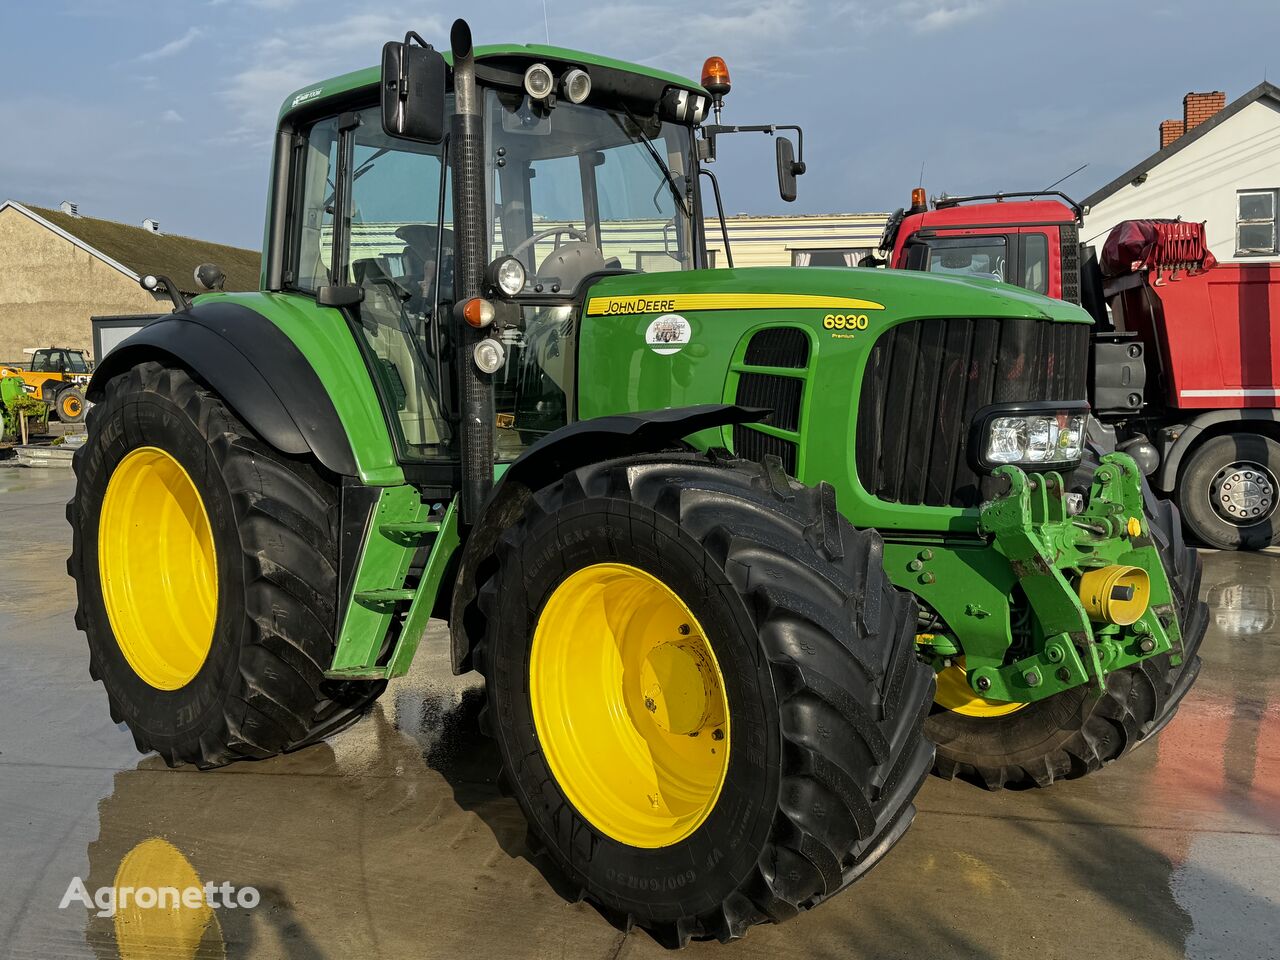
<point x="629" y="705"/>
<point x="1243" y="493"/>
<point x="158" y="568"/>
<point x="679" y="688"/>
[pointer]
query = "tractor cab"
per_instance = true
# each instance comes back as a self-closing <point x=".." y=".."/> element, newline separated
<point x="590" y="168"/>
<point x="59" y="360"/>
<point x="1033" y="243"/>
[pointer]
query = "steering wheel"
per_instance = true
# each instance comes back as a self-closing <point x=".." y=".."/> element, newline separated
<point x="555" y="232"/>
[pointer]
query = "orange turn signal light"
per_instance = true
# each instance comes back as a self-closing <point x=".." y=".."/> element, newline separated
<point x="715" y="76"/>
<point x="477" y="311"/>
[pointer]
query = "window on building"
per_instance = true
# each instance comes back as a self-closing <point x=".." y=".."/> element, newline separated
<point x="829" y="257"/>
<point x="1256" y="223"/>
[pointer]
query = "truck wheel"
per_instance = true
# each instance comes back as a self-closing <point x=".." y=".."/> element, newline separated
<point x="1228" y="492"/>
<point x="70" y="405"/>
<point x="206" y="567"/>
<point x="703" y="689"/>
<point x="998" y="745"/>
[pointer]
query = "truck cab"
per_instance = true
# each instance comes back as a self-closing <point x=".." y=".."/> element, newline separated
<point x="1031" y="243"/>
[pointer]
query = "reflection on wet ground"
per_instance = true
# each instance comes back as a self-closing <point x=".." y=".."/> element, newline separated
<point x="395" y="840"/>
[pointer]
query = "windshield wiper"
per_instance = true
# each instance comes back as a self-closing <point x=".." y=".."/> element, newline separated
<point x="657" y="159"/>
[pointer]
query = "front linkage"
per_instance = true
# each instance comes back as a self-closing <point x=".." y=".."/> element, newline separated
<point x="1098" y="596"/>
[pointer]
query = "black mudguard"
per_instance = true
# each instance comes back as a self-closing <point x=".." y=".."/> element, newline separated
<point x="548" y="460"/>
<point x="256" y="370"/>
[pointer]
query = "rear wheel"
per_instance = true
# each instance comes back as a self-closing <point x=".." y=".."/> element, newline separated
<point x="206" y="564"/>
<point x="997" y="744"/>
<point x="70" y="405"/>
<point x="1229" y="492"/>
<point x="704" y="691"/>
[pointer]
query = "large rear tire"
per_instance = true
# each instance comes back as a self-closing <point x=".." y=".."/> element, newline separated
<point x="1077" y="732"/>
<point x="729" y="625"/>
<point x="206" y="564"/>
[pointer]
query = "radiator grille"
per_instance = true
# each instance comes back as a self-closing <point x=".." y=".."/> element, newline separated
<point x="780" y="394"/>
<point x="754" y="445"/>
<point x="1069" y="238"/>
<point x="925" y="380"/>
<point x="778" y="347"/>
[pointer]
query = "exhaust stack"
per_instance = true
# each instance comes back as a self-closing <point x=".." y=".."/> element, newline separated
<point x="466" y="153"/>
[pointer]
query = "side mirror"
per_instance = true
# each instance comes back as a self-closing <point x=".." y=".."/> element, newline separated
<point x="788" y="169"/>
<point x="413" y="90"/>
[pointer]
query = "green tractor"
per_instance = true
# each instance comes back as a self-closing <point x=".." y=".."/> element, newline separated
<point x="489" y="379"/>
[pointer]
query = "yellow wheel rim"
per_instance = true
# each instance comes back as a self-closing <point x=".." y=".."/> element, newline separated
<point x="629" y="705"/>
<point x="71" y="406"/>
<point x="158" y="568"/>
<point x="954" y="693"/>
<point x="167" y="928"/>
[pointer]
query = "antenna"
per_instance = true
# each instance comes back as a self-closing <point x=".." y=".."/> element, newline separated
<point x="546" y="24"/>
<point x="920" y="182"/>
<point x="1062" y="179"/>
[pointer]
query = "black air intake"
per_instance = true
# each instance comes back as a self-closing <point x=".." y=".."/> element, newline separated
<point x="773" y="349"/>
<point x="925" y="380"/>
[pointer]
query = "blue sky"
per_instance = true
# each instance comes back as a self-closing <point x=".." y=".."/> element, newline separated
<point x="143" y="108"/>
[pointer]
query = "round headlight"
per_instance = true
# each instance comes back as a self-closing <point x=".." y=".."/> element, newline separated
<point x="538" y="81"/>
<point x="489" y="355"/>
<point x="577" y="85"/>
<point x="507" y="276"/>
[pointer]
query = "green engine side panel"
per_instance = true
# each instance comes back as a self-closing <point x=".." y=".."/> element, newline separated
<point x="619" y="371"/>
<point x="325" y="339"/>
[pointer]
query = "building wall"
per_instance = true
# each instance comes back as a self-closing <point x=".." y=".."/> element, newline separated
<point x="774" y="241"/>
<point x="49" y="288"/>
<point x="1200" y="181"/>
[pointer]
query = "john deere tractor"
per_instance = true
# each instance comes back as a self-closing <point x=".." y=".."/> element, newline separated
<point x="709" y="535"/>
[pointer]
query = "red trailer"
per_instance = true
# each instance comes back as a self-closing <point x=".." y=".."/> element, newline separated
<point x="1186" y="351"/>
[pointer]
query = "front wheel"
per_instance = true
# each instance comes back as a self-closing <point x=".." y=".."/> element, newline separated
<point x="704" y="691"/>
<point x="206" y="565"/>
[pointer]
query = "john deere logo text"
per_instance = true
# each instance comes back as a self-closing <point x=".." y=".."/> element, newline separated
<point x="639" y="305"/>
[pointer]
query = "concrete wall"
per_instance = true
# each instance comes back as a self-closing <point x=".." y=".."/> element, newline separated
<point x="49" y="288"/>
<point x="1200" y="181"/>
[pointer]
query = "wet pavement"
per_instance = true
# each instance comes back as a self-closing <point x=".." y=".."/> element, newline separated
<point x="393" y="839"/>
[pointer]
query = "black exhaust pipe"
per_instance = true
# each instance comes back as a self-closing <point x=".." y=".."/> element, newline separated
<point x="470" y="257"/>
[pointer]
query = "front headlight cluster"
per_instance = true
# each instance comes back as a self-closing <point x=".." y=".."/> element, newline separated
<point x="1041" y="438"/>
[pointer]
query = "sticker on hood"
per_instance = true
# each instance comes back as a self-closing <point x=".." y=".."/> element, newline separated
<point x="668" y="334"/>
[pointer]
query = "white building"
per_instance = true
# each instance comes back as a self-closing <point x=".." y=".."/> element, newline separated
<point x="1219" y="164"/>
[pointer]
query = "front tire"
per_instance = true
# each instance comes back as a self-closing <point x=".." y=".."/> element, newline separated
<point x="206" y="566"/>
<point x="731" y="625"/>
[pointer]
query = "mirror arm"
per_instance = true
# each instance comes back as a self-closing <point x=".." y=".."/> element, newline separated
<point x="160" y="280"/>
<point x="712" y="130"/>
<point x="724" y="229"/>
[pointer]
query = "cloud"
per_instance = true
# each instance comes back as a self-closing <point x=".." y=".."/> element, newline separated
<point x="171" y="116"/>
<point x="286" y="60"/>
<point x="172" y="47"/>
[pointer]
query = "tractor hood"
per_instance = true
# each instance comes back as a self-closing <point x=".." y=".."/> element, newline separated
<point x="889" y="294"/>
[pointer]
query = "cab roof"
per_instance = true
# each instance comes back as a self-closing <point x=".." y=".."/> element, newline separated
<point x="532" y="52"/>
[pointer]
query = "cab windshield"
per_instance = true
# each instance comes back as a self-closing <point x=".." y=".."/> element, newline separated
<point x="579" y="189"/>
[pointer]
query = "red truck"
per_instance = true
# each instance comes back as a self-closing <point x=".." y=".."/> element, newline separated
<point x="1185" y="370"/>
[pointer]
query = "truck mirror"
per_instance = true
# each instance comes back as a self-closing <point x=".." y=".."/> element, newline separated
<point x="788" y="169"/>
<point x="413" y="90"/>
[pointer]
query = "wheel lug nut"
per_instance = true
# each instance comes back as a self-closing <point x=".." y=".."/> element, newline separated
<point x="717" y="734"/>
